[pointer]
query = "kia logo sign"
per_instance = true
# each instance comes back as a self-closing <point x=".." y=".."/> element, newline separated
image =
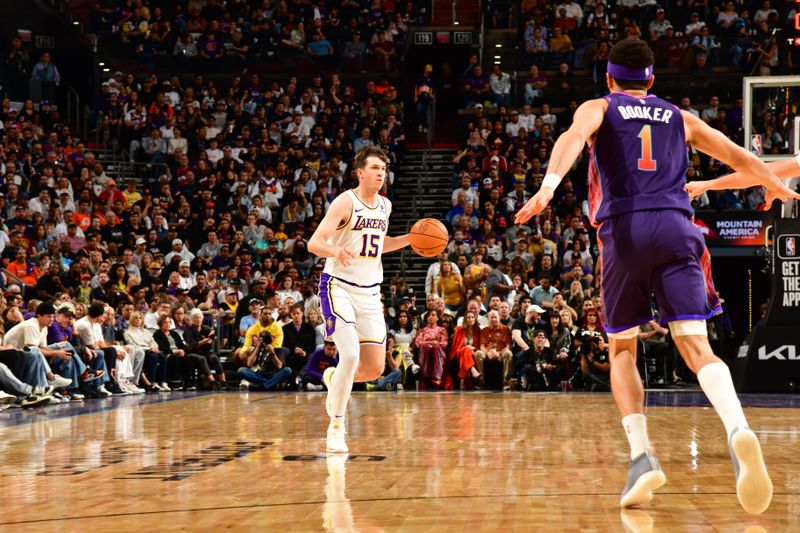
<point x="787" y="352"/>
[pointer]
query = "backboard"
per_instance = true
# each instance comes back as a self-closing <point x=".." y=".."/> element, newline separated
<point x="776" y="98"/>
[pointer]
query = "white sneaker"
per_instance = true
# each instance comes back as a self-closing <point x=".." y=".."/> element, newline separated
<point x="415" y="368"/>
<point x="6" y="399"/>
<point x="58" y="396"/>
<point x="399" y="386"/>
<point x="164" y="386"/>
<point x="327" y="379"/>
<point x="335" y="441"/>
<point x="59" y="382"/>
<point x="155" y="387"/>
<point x="104" y="391"/>
<point x="52" y="400"/>
<point x="76" y="396"/>
<point x="244" y="385"/>
<point x="314" y="388"/>
<point x="131" y="388"/>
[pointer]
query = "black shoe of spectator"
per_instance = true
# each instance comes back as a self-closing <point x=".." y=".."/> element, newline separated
<point x="89" y="392"/>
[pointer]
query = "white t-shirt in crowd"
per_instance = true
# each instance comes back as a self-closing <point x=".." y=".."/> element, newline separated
<point x="87" y="332"/>
<point x="26" y="333"/>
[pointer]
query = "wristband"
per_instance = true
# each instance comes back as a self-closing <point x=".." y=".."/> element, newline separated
<point x="551" y="180"/>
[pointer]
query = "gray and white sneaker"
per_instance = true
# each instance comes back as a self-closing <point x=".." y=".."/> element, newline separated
<point x="753" y="485"/>
<point x="644" y="476"/>
<point x="104" y="391"/>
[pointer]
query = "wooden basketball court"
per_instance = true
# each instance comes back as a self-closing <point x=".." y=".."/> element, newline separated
<point x="418" y="462"/>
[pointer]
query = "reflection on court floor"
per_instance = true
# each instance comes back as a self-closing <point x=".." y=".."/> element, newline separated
<point x="419" y="461"/>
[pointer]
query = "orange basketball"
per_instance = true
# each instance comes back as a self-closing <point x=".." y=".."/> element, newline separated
<point x="429" y="237"/>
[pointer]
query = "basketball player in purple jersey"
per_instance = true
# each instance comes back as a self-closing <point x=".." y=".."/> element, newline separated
<point x="642" y="213"/>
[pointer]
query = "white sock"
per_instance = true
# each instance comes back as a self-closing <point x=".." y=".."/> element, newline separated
<point x="346" y="340"/>
<point x="715" y="380"/>
<point x="636" y="430"/>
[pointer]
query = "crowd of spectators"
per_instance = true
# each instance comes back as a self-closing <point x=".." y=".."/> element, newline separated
<point x="346" y="35"/>
<point x="701" y="39"/>
<point x="123" y="287"/>
<point x="128" y="287"/>
<point x="700" y="42"/>
<point x="538" y="279"/>
<point x="736" y="34"/>
<point x="563" y="49"/>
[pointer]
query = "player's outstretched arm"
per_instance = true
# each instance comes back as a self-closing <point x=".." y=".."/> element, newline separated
<point x="753" y="171"/>
<point x="783" y="169"/>
<point x="587" y="120"/>
<point x="319" y="243"/>
<point x="390" y="244"/>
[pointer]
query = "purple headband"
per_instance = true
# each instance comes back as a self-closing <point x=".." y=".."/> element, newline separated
<point x="627" y="73"/>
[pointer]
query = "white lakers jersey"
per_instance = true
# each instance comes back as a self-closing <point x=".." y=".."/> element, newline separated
<point x="363" y="232"/>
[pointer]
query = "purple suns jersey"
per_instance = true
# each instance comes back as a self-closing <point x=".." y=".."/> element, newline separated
<point x="638" y="160"/>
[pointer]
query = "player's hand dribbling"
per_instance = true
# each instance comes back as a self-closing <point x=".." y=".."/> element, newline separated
<point x="535" y="205"/>
<point x="344" y="255"/>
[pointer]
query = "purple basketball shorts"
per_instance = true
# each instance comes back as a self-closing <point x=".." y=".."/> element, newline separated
<point x="658" y="252"/>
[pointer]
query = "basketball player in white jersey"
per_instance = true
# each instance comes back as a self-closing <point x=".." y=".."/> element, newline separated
<point x="352" y="236"/>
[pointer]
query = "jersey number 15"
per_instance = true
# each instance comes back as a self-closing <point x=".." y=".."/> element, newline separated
<point x="369" y="247"/>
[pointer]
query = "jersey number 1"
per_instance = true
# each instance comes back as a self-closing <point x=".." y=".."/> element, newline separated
<point x="646" y="162"/>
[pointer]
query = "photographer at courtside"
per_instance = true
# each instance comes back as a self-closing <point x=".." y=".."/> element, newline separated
<point x="265" y="368"/>
<point x="263" y="343"/>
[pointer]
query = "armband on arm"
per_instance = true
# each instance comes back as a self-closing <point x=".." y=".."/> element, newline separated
<point x="551" y="180"/>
